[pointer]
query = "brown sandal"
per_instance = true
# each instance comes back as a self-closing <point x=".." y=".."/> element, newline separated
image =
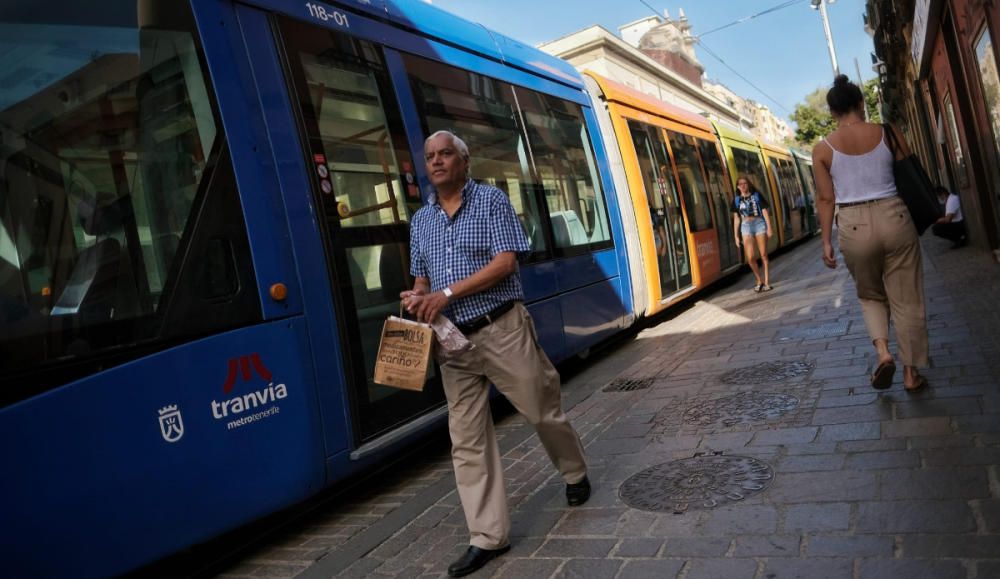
<point x="920" y="384"/>
<point x="882" y="376"/>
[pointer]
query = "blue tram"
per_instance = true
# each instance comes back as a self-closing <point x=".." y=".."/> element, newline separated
<point x="203" y="224"/>
<point x="204" y="214"/>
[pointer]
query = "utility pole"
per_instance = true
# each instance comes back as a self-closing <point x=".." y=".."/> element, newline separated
<point x="821" y="6"/>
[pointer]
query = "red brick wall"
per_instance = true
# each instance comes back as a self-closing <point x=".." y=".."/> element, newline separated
<point x="960" y="77"/>
<point x="675" y="63"/>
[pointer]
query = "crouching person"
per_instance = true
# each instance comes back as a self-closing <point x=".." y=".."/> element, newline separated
<point x="951" y="226"/>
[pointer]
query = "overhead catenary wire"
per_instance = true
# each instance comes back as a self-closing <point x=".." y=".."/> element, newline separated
<point x="748" y="18"/>
<point x="745" y="79"/>
<point x="698" y="39"/>
<point x="781" y="6"/>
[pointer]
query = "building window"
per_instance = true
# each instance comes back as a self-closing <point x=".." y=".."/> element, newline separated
<point x="987" y="63"/>
<point x="956" y="143"/>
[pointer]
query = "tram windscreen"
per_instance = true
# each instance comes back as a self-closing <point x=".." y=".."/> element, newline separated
<point x="106" y="134"/>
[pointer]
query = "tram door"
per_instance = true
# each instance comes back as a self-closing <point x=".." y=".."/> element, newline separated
<point x="669" y="236"/>
<point x="365" y="187"/>
<point x="722" y="201"/>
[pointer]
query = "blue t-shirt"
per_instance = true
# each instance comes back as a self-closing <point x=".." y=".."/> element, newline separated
<point x="752" y="205"/>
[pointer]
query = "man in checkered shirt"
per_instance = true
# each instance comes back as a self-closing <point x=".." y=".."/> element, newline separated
<point x="464" y="246"/>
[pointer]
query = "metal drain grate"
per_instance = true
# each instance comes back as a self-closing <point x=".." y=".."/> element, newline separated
<point x="767" y="372"/>
<point x="701" y="482"/>
<point x="628" y="384"/>
<point x="742" y="408"/>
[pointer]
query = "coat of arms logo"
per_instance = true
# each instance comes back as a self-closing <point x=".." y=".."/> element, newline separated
<point x="171" y="424"/>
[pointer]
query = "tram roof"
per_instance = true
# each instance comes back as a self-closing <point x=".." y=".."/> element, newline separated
<point x="804" y="155"/>
<point x="442" y="25"/>
<point x="777" y="149"/>
<point x="617" y="92"/>
<point x="731" y="133"/>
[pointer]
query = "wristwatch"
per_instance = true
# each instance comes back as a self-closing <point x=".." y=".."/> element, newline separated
<point x="447" y="292"/>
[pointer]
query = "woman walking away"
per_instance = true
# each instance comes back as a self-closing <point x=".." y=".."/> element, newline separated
<point x="853" y="169"/>
<point x="752" y="222"/>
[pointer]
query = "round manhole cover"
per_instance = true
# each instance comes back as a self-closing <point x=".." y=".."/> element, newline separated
<point x="702" y="482"/>
<point x="740" y="408"/>
<point x="767" y="372"/>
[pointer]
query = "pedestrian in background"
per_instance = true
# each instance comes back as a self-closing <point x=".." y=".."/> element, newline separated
<point x="853" y="170"/>
<point x="464" y="246"/>
<point x="951" y="226"/>
<point x="752" y="225"/>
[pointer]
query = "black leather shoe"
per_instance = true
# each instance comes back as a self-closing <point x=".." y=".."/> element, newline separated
<point x="578" y="493"/>
<point x="473" y="559"/>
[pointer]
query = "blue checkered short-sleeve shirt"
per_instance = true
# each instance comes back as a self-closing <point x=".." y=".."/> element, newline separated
<point x="446" y="250"/>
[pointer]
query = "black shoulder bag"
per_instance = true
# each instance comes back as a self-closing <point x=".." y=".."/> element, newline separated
<point x="913" y="186"/>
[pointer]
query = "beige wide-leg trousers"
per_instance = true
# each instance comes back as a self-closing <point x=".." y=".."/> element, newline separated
<point x="882" y="251"/>
<point x="507" y="354"/>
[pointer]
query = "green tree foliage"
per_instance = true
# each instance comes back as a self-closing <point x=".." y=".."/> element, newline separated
<point x="812" y="119"/>
<point x="870" y="91"/>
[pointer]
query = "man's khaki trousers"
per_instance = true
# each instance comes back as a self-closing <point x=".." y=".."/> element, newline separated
<point x="882" y="251"/>
<point x="507" y="354"/>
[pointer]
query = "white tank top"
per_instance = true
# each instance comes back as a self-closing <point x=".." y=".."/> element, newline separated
<point x="862" y="177"/>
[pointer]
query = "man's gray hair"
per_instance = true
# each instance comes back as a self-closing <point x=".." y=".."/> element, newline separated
<point x="459" y="144"/>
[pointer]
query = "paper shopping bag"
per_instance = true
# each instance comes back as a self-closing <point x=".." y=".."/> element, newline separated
<point x="403" y="354"/>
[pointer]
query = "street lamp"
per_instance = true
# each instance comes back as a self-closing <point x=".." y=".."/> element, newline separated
<point x="821" y="6"/>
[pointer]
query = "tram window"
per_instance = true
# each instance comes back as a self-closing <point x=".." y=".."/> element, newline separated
<point x="748" y="163"/>
<point x="779" y="180"/>
<point x="693" y="187"/>
<point x="807" y="177"/>
<point x="482" y="112"/>
<point x="110" y="148"/>
<point x="714" y="171"/>
<point x="666" y="220"/>
<point x="721" y="199"/>
<point x="346" y="83"/>
<point x="564" y="162"/>
<point x="793" y="186"/>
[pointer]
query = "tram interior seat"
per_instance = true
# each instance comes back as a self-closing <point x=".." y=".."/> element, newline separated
<point x="362" y="297"/>
<point x="164" y="249"/>
<point x="14" y="305"/>
<point x="393" y="268"/>
<point x="100" y="287"/>
<point x="568" y="229"/>
<point x="532" y="230"/>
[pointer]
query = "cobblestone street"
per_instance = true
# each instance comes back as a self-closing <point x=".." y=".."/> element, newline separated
<point x="792" y="465"/>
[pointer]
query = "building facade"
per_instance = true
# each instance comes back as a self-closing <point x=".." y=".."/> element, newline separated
<point x="769" y="126"/>
<point x="654" y="55"/>
<point x="762" y="123"/>
<point x="939" y="83"/>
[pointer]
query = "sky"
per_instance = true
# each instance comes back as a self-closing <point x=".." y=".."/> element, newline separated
<point x="783" y="53"/>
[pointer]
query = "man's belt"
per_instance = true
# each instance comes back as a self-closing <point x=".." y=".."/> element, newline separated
<point x="481" y="322"/>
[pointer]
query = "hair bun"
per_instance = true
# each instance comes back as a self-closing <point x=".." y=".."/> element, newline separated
<point x="841" y="80"/>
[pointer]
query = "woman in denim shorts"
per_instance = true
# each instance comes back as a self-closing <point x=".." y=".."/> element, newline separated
<point x="752" y="222"/>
